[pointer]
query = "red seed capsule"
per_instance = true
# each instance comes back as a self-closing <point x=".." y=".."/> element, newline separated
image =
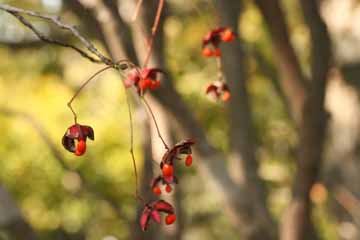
<point x="167" y="170"/>
<point x="170" y="219"/>
<point x="80" y="148"/>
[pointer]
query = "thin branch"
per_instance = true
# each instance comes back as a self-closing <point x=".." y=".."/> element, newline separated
<point x="16" y="12"/>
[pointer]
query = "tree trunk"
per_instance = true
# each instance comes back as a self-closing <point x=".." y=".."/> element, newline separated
<point x="297" y="224"/>
<point x="11" y="219"/>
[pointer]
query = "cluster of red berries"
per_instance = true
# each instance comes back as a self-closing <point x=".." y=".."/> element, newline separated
<point x="218" y="90"/>
<point x="143" y="79"/>
<point x="212" y="40"/>
<point x="210" y="48"/>
<point x="152" y="211"/>
<point x="181" y="150"/>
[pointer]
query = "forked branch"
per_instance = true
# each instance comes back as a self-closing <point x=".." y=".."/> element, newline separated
<point x="18" y="13"/>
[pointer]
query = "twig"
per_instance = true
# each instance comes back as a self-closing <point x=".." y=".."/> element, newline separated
<point x="16" y="12"/>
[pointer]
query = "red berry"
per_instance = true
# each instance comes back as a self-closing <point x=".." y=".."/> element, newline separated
<point x="167" y="170"/>
<point x="156" y="191"/>
<point x="154" y="84"/>
<point x="168" y="188"/>
<point x="207" y="52"/>
<point x="226" y="96"/>
<point x="80" y="148"/>
<point x="227" y="36"/>
<point x="144" y="83"/>
<point x="170" y="219"/>
<point x="217" y="52"/>
<point x="188" y="160"/>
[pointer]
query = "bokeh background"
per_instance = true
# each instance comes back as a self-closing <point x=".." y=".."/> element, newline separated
<point x="48" y="193"/>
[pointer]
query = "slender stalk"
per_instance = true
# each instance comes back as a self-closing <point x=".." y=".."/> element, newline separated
<point x="82" y="87"/>
<point x="155" y="122"/>
<point x="137" y="194"/>
<point x="219" y="69"/>
<point x="153" y="32"/>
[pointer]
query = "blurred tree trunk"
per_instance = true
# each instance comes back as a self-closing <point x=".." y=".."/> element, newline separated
<point x="297" y="223"/>
<point x="11" y="219"/>
<point x="293" y="81"/>
<point x="145" y="178"/>
<point x="342" y="166"/>
<point x="307" y="102"/>
<point x="342" y="157"/>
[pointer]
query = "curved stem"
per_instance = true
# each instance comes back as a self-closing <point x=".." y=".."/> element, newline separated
<point x="153" y="32"/>
<point x="155" y="122"/>
<point x="82" y="86"/>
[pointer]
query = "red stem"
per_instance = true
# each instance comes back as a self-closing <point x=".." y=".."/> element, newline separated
<point x="155" y="122"/>
<point x="153" y="32"/>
